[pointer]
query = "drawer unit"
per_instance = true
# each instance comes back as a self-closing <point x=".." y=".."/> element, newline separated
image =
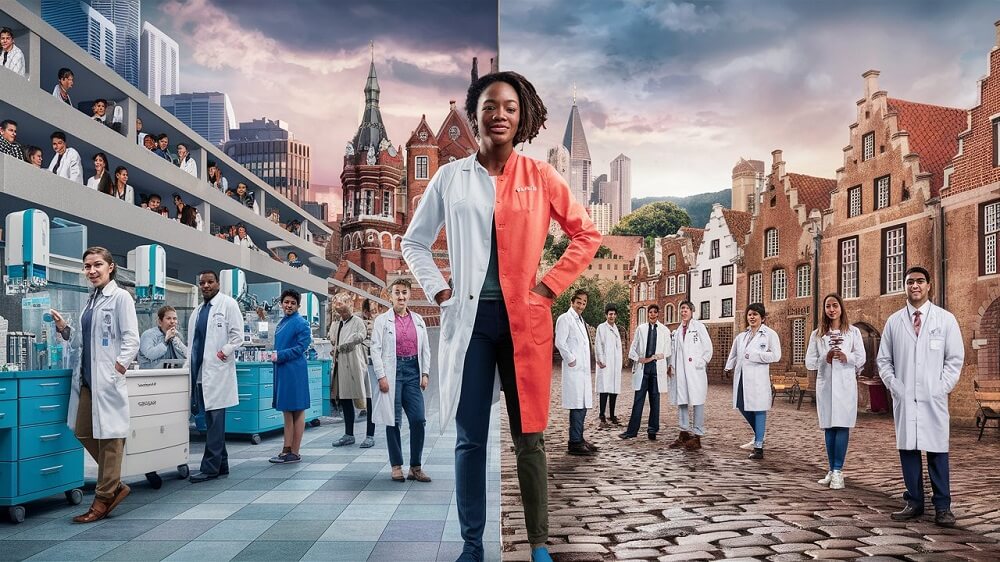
<point x="39" y="440"/>
<point x="255" y="388"/>
<point x="39" y="455"/>
<point x="159" y="409"/>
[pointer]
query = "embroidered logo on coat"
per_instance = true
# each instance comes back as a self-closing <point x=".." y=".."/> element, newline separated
<point x="526" y="188"/>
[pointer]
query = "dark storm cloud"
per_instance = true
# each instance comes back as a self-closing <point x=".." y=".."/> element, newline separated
<point x="415" y="76"/>
<point x="329" y="25"/>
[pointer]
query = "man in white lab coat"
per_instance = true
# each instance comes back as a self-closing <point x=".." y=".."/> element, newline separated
<point x="649" y="352"/>
<point x="920" y="358"/>
<point x="573" y="343"/>
<point x="215" y="330"/>
<point x="11" y="56"/>
<point x="66" y="162"/>
<point x="608" y="354"/>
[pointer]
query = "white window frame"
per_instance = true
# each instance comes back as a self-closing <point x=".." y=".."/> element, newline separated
<point x="671" y="262"/>
<point x="882" y="192"/>
<point x="669" y="314"/>
<point x="803" y="281"/>
<point x="849" y="268"/>
<point x="421" y="167"/>
<point x="991" y="231"/>
<point x="682" y="281"/>
<point x="671" y="285"/>
<point x="779" y="285"/>
<point x="894" y="259"/>
<point x="756" y="292"/>
<point x="798" y="341"/>
<point x="868" y="146"/>
<point x="854" y="201"/>
<point x="771" y="243"/>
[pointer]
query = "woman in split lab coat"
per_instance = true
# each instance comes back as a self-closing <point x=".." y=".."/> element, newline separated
<point x="750" y="360"/>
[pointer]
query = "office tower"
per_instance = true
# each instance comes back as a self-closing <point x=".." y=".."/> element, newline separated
<point x="159" y="63"/>
<point x="210" y="114"/>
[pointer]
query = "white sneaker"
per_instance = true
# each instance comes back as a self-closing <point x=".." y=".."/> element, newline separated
<point x="826" y="479"/>
<point x="747" y="446"/>
<point x="837" y="480"/>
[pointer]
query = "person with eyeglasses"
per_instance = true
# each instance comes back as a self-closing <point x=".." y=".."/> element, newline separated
<point x="920" y="358"/>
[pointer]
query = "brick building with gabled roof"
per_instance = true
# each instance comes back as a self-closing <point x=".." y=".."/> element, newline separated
<point x="660" y="276"/>
<point x="778" y="258"/>
<point x="884" y="215"/>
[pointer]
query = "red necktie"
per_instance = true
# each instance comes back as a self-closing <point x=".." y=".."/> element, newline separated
<point x="916" y="323"/>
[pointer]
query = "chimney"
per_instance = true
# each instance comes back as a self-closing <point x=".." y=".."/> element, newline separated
<point x="775" y="157"/>
<point x="451" y="104"/>
<point x="871" y="82"/>
<point x="778" y="165"/>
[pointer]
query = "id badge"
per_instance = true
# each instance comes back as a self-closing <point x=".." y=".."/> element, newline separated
<point x="106" y="332"/>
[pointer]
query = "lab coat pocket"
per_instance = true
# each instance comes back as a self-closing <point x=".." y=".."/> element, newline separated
<point x="449" y="319"/>
<point x="540" y="318"/>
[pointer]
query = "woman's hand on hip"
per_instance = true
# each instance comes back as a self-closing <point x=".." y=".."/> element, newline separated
<point x="543" y="290"/>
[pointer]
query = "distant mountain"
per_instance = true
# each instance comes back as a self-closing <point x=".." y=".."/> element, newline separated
<point x="698" y="207"/>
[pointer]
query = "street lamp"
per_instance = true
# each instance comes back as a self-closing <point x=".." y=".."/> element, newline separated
<point x="816" y="218"/>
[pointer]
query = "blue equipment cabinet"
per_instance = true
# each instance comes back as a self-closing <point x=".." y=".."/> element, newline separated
<point x="39" y="455"/>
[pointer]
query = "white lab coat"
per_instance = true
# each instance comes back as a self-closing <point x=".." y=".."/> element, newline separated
<point x="690" y="357"/>
<point x="15" y="60"/>
<point x="57" y="93"/>
<point x="383" y="354"/>
<point x="69" y="167"/>
<point x="127" y="197"/>
<point x="921" y="372"/>
<point x="638" y="351"/>
<point x="189" y="166"/>
<point x="750" y="361"/>
<point x="245" y="242"/>
<point x="573" y="343"/>
<point x="608" y="350"/>
<point x="224" y="333"/>
<point x="113" y="321"/>
<point x="836" y="383"/>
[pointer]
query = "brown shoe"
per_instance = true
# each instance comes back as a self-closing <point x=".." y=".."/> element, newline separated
<point x="98" y="510"/>
<point x="693" y="444"/>
<point x="397" y="474"/>
<point x="417" y="474"/>
<point x="681" y="440"/>
<point x="120" y="495"/>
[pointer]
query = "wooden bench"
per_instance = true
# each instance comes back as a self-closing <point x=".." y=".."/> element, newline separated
<point x="807" y="385"/>
<point x="783" y="384"/>
<point x="988" y="398"/>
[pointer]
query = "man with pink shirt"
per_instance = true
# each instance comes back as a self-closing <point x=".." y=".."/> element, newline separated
<point x="401" y="357"/>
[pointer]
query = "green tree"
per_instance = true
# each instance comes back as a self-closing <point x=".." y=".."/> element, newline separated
<point x="652" y="221"/>
<point x="557" y="248"/>
<point x="599" y="293"/>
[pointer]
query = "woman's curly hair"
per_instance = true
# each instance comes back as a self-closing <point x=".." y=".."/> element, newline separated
<point x="533" y="112"/>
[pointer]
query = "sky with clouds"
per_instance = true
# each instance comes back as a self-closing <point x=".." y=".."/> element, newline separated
<point x="687" y="88"/>
<point x="306" y="63"/>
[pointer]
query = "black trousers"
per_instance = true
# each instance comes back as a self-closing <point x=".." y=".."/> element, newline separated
<point x="216" y="458"/>
<point x="649" y="386"/>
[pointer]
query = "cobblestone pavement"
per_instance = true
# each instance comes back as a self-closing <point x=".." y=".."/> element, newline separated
<point x="640" y="500"/>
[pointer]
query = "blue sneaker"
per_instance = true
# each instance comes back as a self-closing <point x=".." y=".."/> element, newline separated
<point x="540" y="554"/>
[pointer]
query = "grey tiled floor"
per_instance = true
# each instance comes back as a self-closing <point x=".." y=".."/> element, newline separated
<point x="337" y="504"/>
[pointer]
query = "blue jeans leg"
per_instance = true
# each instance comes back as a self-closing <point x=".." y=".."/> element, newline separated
<point x="842" y="437"/>
<point x="830" y="436"/>
<point x="576" y="418"/>
<point x="683" y="419"/>
<point x="412" y="402"/>
<point x="759" y="427"/>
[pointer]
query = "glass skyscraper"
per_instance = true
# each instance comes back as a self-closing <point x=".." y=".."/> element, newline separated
<point x="125" y="15"/>
<point x="267" y="148"/>
<point x="210" y="114"/>
<point x="83" y="25"/>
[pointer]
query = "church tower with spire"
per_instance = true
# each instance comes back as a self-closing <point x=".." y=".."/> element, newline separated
<point x="580" y="170"/>
<point x="372" y="223"/>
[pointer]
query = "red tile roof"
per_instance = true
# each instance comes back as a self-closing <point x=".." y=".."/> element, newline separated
<point x="625" y="246"/>
<point x="738" y="223"/>
<point x="933" y="133"/>
<point x="814" y="192"/>
<point x="695" y="234"/>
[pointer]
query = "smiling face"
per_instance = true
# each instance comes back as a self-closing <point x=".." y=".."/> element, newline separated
<point x="754" y="319"/>
<point x="100" y="109"/>
<point x="121" y="178"/>
<point x="499" y="114"/>
<point x="579" y="304"/>
<point x="100" y="165"/>
<point x="832" y="309"/>
<point x="97" y="269"/>
<point x="289" y="305"/>
<point x="612" y="316"/>
<point x="918" y="288"/>
<point x="400" y="297"/>
<point x="6" y="41"/>
<point x="148" y="143"/>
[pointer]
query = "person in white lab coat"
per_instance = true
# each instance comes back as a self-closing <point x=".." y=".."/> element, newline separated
<point x="11" y="56"/>
<point x="688" y="377"/>
<point x="242" y="238"/>
<point x="401" y="359"/>
<point x="573" y="343"/>
<point x="608" y="356"/>
<point x="837" y="353"/>
<point x="750" y="361"/>
<point x="215" y="330"/>
<point x="61" y="90"/>
<point x="920" y="358"/>
<point x="649" y="352"/>
<point x="101" y="351"/>
<point x="121" y="190"/>
<point x="66" y="161"/>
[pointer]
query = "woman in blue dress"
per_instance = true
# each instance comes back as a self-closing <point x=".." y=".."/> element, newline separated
<point x="292" y="338"/>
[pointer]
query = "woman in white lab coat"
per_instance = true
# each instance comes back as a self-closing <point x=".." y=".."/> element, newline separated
<point x="108" y="341"/>
<point x="836" y="352"/>
<point x="750" y="360"/>
<point x="608" y="354"/>
<point x="573" y="343"/>
<point x="692" y="350"/>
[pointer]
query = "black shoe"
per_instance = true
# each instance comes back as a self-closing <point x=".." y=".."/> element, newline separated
<point x="224" y="471"/>
<point x="910" y="512"/>
<point x="652" y="436"/>
<point x="603" y="420"/>
<point x="615" y="420"/>
<point x="627" y="435"/>
<point x="757" y="454"/>
<point x="579" y="449"/>
<point x="590" y="446"/>
<point x="944" y="518"/>
<point x="202" y="477"/>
